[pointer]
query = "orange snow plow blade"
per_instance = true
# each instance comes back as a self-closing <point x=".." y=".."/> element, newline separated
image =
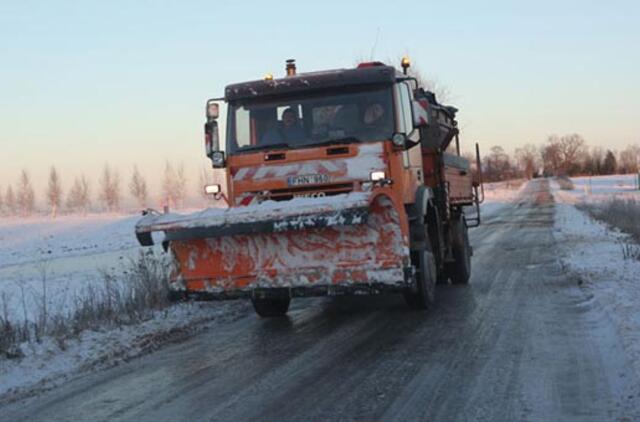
<point x="351" y="243"/>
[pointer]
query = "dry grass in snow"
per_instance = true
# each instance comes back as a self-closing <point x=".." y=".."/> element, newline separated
<point x="130" y="297"/>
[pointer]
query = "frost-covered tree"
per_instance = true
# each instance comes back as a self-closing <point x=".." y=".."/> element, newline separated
<point x="10" y="201"/>
<point x="25" y="196"/>
<point x="181" y="185"/>
<point x="79" y="195"/>
<point x="138" y="187"/>
<point x="168" y="183"/>
<point x="110" y="189"/>
<point x="174" y="185"/>
<point x="54" y="192"/>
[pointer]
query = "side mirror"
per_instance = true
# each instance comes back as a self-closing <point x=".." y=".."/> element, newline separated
<point x="212" y="144"/>
<point x="212" y="136"/>
<point x="213" y="110"/>
<point x="420" y="111"/>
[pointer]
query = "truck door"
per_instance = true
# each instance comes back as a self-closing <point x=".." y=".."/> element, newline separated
<point x="412" y="157"/>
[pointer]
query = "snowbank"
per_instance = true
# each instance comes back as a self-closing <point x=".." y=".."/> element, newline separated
<point x="594" y="253"/>
<point x="49" y="363"/>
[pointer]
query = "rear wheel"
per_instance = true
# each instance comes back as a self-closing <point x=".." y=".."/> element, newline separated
<point x="424" y="294"/>
<point x="271" y="307"/>
<point x="459" y="271"/>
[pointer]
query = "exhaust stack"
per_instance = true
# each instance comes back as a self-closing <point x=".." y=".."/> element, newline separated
<point x="291" y="67"/>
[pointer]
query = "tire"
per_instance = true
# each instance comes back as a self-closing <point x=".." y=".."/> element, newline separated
<point x="424" y="296"/>
<point x="271" y="307"/>
<point x="175" y="296"/>
<point x="459" y="271"/>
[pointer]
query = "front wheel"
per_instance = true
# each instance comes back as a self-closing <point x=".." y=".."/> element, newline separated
<point x="271" y="307"/>
<point x="424" y="294"/>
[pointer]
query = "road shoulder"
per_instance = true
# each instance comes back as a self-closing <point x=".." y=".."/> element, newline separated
<point x="593" y="254"/>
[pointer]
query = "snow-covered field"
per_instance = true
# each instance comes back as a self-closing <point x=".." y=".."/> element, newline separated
<point x="602" y="188"/>
<point x="64" y="256"/>
<point x="58" y="262"/>
<point x="593" y="253"/>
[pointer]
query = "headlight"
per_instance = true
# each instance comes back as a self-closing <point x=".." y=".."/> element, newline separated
<point x="374" y="176"/>
<point x="212" y="189"/>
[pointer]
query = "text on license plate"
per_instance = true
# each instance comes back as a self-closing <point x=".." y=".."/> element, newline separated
<point x="307" y="179"/>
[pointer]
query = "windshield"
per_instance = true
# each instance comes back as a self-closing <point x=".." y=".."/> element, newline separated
<point x="320" y="118"/>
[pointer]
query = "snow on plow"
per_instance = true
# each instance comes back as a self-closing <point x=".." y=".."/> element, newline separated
<point x="311" y="246"/>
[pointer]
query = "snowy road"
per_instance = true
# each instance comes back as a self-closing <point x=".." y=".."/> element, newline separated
<point x="521" y="342"/>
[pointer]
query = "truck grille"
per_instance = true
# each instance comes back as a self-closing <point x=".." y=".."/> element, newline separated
<point x="323" y="190"/>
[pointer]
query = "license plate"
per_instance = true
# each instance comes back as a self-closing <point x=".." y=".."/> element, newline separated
<point x="308" y="179"/>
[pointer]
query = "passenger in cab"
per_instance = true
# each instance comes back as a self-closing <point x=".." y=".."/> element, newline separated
<point x="288" y="131"/>
<point x="374" y="121"/>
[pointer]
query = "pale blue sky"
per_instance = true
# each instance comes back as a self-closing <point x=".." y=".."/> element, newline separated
<point x="83" y="83"/>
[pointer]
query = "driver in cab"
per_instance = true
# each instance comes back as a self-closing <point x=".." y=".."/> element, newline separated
<point x="288" y="131"/>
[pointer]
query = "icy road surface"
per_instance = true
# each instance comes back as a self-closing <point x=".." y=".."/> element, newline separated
<point x="521" y="342"/>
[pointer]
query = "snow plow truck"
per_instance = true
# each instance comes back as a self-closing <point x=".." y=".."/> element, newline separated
<point x="337" y="182"/>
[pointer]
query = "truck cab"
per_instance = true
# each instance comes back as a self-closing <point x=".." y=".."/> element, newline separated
<point x="320" y="134"/>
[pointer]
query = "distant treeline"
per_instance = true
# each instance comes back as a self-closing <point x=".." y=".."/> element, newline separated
<point x="107" y="195"/>
<point x="567" y="155"/>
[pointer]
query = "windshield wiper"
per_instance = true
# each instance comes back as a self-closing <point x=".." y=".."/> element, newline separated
<point x="263" y="147"/>
<point x="347" y="140"/>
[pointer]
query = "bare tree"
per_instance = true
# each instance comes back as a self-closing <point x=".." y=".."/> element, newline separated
<point x="527" y="157"/>
<point x="497" y="165"/>
<point x="563" y="155"/>
<point x="78" y="198"/>
<point x="10" y="201"/>
<point x="138" y="188"/>
<point x="550" y="154"/>
<point x="25" y="196"/>
<point x="630" y="159"/>
<point x="54" y="192"/>
<point x="110" y="189"/>
<point x="572" y="149"/>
